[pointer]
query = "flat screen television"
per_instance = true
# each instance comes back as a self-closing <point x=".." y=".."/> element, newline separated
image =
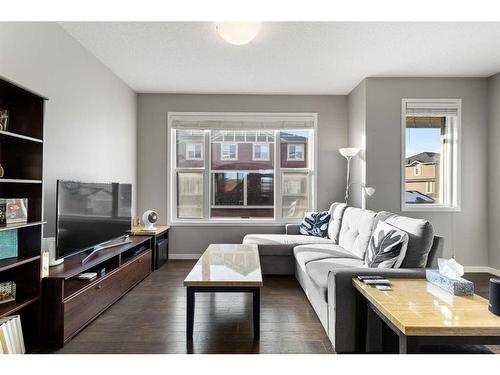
<point x="90" y="214"/>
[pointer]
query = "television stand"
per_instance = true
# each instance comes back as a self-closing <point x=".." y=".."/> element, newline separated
<point x="106" y="245"/>
<point x="69" y="304"/>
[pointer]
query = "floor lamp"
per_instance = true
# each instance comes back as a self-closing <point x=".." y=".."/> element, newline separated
<point x="348" y="153"/>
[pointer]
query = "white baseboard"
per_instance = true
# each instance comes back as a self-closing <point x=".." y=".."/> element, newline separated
<point x="184" y="256"/>
<point x="482" y="269"/>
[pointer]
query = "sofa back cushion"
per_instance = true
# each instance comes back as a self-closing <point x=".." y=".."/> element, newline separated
<point x="421" y="236"/>
<point x="356" y="230"/>
<point x="336" y="212"/>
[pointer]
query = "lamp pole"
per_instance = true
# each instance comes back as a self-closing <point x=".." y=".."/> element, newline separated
<point x="347" y="185"/>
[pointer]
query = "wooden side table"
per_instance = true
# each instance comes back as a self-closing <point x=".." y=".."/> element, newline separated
<point x="421" y="313"/>
<point x="159" y="242"/>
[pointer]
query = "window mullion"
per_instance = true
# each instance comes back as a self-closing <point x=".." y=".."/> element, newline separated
<point x="207" y="180"/>
<point x="278" y="193"/>
<point x="245" y="187"/>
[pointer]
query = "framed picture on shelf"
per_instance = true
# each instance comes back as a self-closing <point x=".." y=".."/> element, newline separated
<point x="13" y="210"/>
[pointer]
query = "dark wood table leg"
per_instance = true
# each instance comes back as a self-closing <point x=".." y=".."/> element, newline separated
<point x="361" y="326"/>
<point x="256" y="313"/>
<point x="190" y="313"/>
<point x="408" y="344"/>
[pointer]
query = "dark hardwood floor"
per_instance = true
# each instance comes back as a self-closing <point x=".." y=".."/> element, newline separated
<point x="152" y="319"/>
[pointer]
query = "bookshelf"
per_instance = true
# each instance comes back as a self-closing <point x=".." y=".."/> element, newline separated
<point x="21" y="157"/>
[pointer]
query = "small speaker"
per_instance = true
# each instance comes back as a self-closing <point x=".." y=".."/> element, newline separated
<point x="149" y="219"/>
<point x="494" y="305"/>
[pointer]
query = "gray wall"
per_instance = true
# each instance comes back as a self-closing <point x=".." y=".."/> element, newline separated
<point x="493" y="170"/>
<point x="466" y="232"/>
<point x="90" y="118"/>
<point x="356" y="138"/>
<point x="152" y="154"/>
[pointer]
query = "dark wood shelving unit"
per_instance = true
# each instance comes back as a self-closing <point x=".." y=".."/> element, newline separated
<point x="5" y="264"/>
<point x="21" y="157"/>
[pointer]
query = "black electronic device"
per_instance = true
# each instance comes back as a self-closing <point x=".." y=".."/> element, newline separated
<point x="91" y="215"/>
<point x="494" y="303"/>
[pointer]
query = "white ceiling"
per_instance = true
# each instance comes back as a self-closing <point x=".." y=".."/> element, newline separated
<point x="287" y="57"/>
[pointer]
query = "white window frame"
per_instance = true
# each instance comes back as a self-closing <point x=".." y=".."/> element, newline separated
<point x="261" y="145"/>
<point x="288" y="158"/>
<point x="222" y="151"/>
<point x="278" y="220"/>
<point x="452" y="182"/>
<point x="194" y="144"/>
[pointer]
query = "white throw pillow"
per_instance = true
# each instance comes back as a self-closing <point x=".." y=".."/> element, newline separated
<point x="387" y="247"/>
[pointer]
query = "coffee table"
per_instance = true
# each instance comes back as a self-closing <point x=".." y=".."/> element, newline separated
<point x="421" y="313"/>
<point x="231" y="268"/>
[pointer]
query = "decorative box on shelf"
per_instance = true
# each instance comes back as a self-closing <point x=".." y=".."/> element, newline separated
<point x="13" y="210"/>
<point x="8" y="244"/>
<point x="457" y="287"/>
<point x="7" y="291"/>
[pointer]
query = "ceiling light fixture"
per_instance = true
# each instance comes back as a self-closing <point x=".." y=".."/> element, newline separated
<point x="238" y="33"/>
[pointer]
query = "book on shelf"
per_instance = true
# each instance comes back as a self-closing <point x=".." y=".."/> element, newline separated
<point x="11" y="335"/>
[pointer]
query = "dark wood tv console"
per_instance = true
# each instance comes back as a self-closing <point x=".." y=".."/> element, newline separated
<point x="69" y="304"/>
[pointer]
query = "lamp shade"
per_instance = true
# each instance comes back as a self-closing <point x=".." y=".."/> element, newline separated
<point x="349" y="152"/>
<point x="238" y="33"/>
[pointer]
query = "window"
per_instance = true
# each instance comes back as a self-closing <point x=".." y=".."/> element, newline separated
<point x="431" y="147"/>
<point x="247" y="174"/>
<point x="229" y="151"/>
<point x="260" y="151"/>
<point x="430" y="187"/>
<point x="194" y="151"/>
<point x="295" y="152"/>
<point x="418" y="170"/>
<point x="189" y="195"/>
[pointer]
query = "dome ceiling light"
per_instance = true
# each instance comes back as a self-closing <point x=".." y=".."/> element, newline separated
<point x="238" y="33"/>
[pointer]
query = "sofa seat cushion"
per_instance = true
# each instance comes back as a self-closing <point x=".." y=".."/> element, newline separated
<point x="284" y="239"/>
<point x="276" y="250"/>
<point x="420" y="237"/>
<point x="306" y="253"/>
<point x="356" y="230"/>
<point x="318" y="271"/>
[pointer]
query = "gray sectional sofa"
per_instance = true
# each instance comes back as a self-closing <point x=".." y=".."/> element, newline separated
<point x="324" y="267"/>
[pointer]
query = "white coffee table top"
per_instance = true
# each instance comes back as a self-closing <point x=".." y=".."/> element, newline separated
<point x="231" y="265"/>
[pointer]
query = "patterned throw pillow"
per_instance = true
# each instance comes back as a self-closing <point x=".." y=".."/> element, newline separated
<point x="315" y="224"/>
<point x="387" y="247"/>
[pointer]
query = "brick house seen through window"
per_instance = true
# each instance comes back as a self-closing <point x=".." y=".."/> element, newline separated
<point x="239" y="175"/>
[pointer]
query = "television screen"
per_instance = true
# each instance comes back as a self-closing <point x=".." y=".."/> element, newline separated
<point x="89" y="214"/>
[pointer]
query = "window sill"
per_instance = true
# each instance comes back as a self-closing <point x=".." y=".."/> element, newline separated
<point x="430" y="208"/>
<point x="237" y="223"/>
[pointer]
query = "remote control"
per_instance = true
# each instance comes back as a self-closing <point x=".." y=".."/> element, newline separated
<point x="363" y="278"/>
<point x="383" y="287"/>
<point x="377" y="282"/>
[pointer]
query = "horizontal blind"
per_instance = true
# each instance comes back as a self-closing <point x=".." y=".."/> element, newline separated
<point x="241" y="122"/>
<point x="431" y="109"/>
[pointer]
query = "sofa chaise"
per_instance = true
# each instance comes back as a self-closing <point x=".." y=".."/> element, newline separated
<point x="324" y="267"/>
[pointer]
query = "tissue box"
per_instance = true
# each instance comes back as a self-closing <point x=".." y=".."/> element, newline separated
<point x="457" y="287"/>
